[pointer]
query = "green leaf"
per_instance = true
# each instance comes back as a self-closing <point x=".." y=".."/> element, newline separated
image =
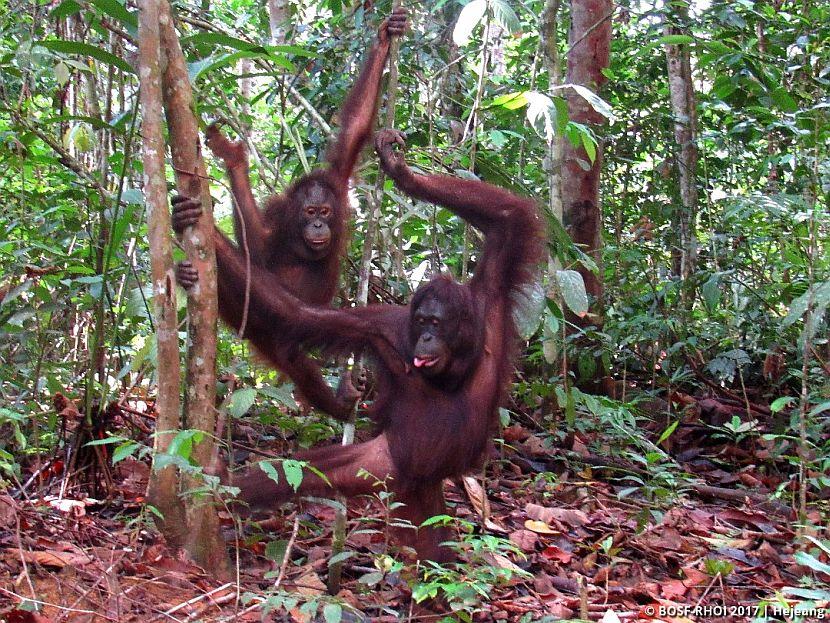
<point x="293" y="472"/>
<point x="241" y="401"/>
<point x="340" y="557"/>
<point x="784" y="100"/>
<point x="806" y="593"/>
<point x="510" y="101"/>
<point x="808" y="560"/>
<point x="505" y="16"/>
<point x="675" y="40"/>
<point x="468" y="19"/>
<point x="275" y="550"/>
<point x="333" y="613"/>
<point x="711" y="292"/>
<point x="65" y="9"/>
<point x="95" y="122"/>
<point x="116" y="10"/>
<point x="270" y="470"/>
<point x="572" y="287"/>
<point x="370" y="579"/>
<point x="596" y="102"/>
<point x="85" y="49"/>
<point x="199" y="68"/>
<point x="123" y="451"/>
<point x="819" y="408"/>
<point x="779" y="403"/>
<point x="216" y="38"/>
<point x="820" y="298"/>
<point x="667" y="433"/>
<point x="541" y="113"/>
<point x="590" y="146"/>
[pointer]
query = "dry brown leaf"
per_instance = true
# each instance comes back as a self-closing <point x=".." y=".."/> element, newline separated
<point x="570" y="516"/>
<point x="477" y="495"/>
<point x="52" y="558"/>
<point x="8" y="513"/>
<point x="525" y="540"/>
<point x="551" y="552"/>
<point x="672" y="589"/>
<point x="539" y="527"/>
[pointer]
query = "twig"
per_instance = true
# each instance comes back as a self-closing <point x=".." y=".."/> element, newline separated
<point x="190" y="602"/>
<point x="287" y="555"/>
<point x="51" y="605"/>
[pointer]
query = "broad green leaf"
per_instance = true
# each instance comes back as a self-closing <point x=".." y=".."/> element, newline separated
<point x="217" y="38"/>
<point x="505" y="16"/>
<point x="206" y="65"/>
<point x="241" y="400"/>
<point x="123" y="451"/>
<point x="270" y="470"/>
<point x="341" y="557"/>
<point x="824" y="406"/>
<point x="333" y="613"/>
<point x="779" y="403"/>
<point x="95" y="122"/>
<point x="675" y="39"/>
<point x="596" y="102"/>
<point x="784" y="100"/>
<point x="820" y="300"/>
<point x="808" y="560"/>
<point x="293" y="472"/>
<point x="528" y="304"/>
<point x="573" y="291"/>
<point x="711" y="292"/>
<point x="116" y="10"/>
<point x="510" y="101"/>
<point x="541" y="114"/>
<point x="65" y="9"/>
<point x="85" y="49"/>
<point x="590" y="146"/>
<point x="468" y="19"/>
<point x="667" y="433"/>
<point x="806" y="593"/>
<point x="275" y="550"/>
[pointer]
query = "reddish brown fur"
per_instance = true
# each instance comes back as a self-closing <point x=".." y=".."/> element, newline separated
<point x="430" y="428"/>
<point x="273" y="236"/>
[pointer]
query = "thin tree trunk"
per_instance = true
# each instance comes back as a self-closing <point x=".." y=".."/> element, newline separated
<point x="163" y="486"/>
<point x="589" y="42"/>
<point x="277" y="20"/>
<point x="204" y="541"/>
<point x="682" y="96"/>
<point x="553" y="64"/>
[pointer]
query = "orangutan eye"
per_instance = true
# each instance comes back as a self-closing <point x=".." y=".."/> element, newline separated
<point x="324" y="212"/>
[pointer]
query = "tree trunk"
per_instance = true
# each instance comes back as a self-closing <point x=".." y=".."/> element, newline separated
<point x="682" y="95"/>
<point x="163" y="487"/>
<point x="590" y="42"/>
<point x="278" y="20"/>
<point x="204" y="541"/>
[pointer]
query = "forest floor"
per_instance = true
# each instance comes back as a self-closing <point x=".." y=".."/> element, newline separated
<point x="695" y="539"/>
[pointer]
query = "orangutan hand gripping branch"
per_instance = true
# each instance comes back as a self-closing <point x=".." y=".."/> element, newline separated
<point x="299" y="236"/>
<point x="442" y="362"/>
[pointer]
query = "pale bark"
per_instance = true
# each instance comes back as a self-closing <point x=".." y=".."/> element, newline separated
<point x="553" y="64"/>
<point x="277" y="20"/>
<point x="204" y="541"/>
<point x="163" y="486"/>
<point x="682" y="96"/>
